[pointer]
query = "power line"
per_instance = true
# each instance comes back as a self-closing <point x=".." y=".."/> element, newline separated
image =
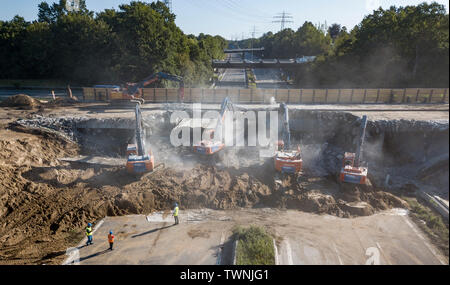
<point x="283" y="18"/>
<point x="244" y="11"/>
<point x="255" y="9"/>
<point x="235" y="15"/>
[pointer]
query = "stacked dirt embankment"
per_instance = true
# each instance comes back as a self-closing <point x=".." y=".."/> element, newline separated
<point x="27" y="208"/>
<point x="22" y="101"/>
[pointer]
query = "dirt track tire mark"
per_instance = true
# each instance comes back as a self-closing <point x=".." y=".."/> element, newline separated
<point x="155" y="241"/>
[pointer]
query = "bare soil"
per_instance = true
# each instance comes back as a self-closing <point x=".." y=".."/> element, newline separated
<point x="45" y="204"/>
<point x="21" y="100"/>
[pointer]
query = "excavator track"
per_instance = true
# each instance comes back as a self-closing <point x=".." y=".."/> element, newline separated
<point x="157" y="168"/>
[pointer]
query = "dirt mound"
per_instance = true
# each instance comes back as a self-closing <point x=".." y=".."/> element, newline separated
<point x="324" y="195"/>
<point x="62" y="102"/>
<point x="36" y="148"/>
<point x="21" y="100"/>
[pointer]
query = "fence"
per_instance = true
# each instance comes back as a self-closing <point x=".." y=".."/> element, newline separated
<point x="291" y="96"/>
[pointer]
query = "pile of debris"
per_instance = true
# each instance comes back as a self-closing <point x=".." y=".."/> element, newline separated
<point x="21" y="100"/>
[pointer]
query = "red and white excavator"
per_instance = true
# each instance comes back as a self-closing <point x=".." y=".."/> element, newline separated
<point x="287" y="160"/>
<point x="352" y="171"/>
<point x="133" y="91"/>
<point x="211" y="145"/>
<point x="140" y="159"/>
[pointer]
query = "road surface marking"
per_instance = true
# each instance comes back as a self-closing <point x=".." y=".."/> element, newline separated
<point x="337" y="253"/>
<point x="424" y="240"/>
<point x="220" y="249"/>
<point x="277" y="259"/>
<point x="289" y="252"/>
<point x="374" y="256"/>
<point x="382" y="253"/>
<point x="74" y="254"/>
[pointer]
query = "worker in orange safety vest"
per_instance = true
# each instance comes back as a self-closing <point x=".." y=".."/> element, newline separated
<point x="111" y="240"/>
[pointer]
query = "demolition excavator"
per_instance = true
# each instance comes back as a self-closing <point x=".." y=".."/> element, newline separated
<point x="287" y="160"/>
<point x="352" y="171"/>
<point x="212" y="145"/>
<point x="133" y="91"/>
<point x="140" y="159"/>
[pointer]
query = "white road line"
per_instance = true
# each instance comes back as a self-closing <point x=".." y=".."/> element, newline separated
<point x="337" y="253"/>
<point x="69" y="260"/>
<point x="220" y="249"/>
<point x="382" y="253"/>
<point x="430" y="248"/>
<point x="277" y="259"/>
<point x="288" y="252"/>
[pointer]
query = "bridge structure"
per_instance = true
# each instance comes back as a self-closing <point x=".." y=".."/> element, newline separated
<point x="244" y="50"/>
<point x="263" y="63"/>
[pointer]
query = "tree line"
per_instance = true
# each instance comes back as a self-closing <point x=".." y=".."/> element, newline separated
<point x="113" y="46"/>
<point x="396" y="47"/>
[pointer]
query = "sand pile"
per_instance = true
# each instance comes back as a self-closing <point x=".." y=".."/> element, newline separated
<point x="22" y="101"/>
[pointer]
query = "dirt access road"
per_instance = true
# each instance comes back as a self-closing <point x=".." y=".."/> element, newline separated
<point x="387" y="238"/>
<point x="104" y="110"/>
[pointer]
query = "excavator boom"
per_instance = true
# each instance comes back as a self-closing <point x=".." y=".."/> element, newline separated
<point x="212" y="146"/>
<point x="134" y="88"/>
<point x="287" y="160"/>
<point x="139" y="160"/>
<point x="133" y="91"/>
<point x="352" y="171"/>
<point x="361" y="141"/>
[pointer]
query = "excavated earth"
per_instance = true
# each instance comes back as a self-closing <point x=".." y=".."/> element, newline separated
<point x="45" y="202"/>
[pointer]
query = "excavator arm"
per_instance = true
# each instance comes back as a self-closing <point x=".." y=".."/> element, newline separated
<point x="352" y="171"/>
<point x="133" y="89"/>
<point x="287" y="160"/>
<point x="362" y="133"/>
<point x="211" y="146"/>
<point x="139" y="131"/>
<point x="140" y="159"/>
<point x="286" y="133"/>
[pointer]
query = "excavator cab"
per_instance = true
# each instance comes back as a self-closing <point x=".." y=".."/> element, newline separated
<point x="209" y="147"/>
<point x="352" y="171"/>
<point x="355" y="175"/>
<point x="289" y="161"/>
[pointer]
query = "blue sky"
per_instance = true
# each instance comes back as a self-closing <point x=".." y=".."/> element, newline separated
<point x="236" y="18"/>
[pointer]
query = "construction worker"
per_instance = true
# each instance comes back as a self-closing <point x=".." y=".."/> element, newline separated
<point x="111" y="240"/>
<point x="89" y="234"/>
<point x="175" y="213"/>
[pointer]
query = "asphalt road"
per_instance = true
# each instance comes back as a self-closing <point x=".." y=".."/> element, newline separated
<point x="265" y="78"/>
<point x="269" y="79"/>
<point x="232" y="78"/>
<point x="385" y="238"/>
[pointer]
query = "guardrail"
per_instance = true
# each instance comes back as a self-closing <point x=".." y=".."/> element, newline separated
<point x="290" y="96"/>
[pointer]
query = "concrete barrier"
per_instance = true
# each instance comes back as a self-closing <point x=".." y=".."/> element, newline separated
<point x="291" y="96"/>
